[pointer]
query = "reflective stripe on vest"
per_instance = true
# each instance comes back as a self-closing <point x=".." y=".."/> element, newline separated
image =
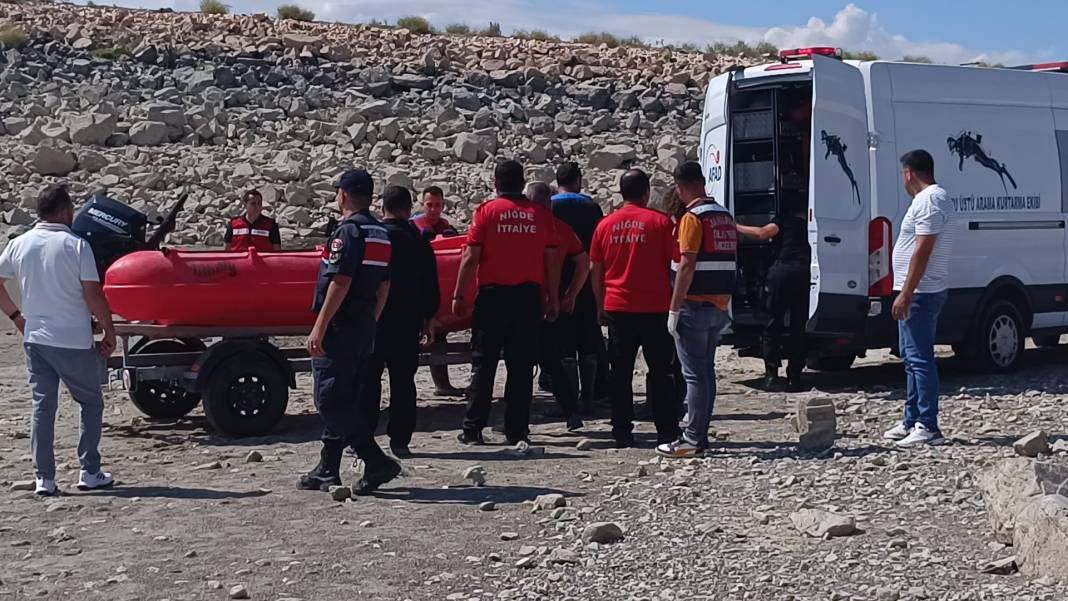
<point x="716" y="259"/>
<point x="246" y="235"/>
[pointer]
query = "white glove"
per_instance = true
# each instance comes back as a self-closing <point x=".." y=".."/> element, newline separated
<point x="673" y="324"/>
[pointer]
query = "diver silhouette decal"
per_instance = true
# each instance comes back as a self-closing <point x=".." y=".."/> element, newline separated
<point x="967" y="145"/>
<point x="834" y="146"/>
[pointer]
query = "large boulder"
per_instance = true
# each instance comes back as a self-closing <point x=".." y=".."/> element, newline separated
<point x="1011" y="484"/>
<point x="93" y="129"/>
<point x="149" y="133"/>
<point x="1040" y="539"/>
<point x="613" y="156"/>
<point x="467" y="148"/>
<point x="816" y="424"/>
<point x="52" y="158"/>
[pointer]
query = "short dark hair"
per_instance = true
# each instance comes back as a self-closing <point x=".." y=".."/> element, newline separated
<point x="248" y="195"/>
<point x="569" y="175"/>
<point x="634" y="184"/>
<point x="54" y="200"/>
<point x="690" y="173"/>
<point x="396" y="199"/>
<point x="434" y="191"/>
<point x="539" y="192"/>
<point x="919" y="161"/>
<point x="509" y="178"/>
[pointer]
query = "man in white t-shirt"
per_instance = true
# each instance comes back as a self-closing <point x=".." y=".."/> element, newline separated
<point x="921" y="274"/>
<point x="60" y="293"/>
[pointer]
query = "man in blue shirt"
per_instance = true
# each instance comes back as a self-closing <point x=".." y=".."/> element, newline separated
<point x="582" y="343"/>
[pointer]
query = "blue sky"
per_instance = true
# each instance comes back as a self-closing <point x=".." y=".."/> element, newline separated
<point x="951" y="31"/>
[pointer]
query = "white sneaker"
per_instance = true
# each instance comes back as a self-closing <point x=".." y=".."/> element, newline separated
<point x="897" y="432"/>
<point x="921" y="436"/>
<point x="46" y="488"/>
<point x="101" y="479"/>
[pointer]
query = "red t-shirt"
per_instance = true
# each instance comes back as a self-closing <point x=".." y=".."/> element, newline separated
<point x="513" y="233"/>
<point x="567" y="242"/>
<point x="635" y="244"/>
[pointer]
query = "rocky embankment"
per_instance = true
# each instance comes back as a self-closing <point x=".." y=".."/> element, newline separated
<point x="145" y="105"/>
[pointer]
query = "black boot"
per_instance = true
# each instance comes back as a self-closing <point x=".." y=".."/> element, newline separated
<point x="771" y="377"/>
<point x="545" y="382"/>
<point x="442" y="386"/>
<point x="325" y="474"/>
<point x="378" y="470"/>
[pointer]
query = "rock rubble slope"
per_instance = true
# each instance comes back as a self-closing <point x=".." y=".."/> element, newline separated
<point x="144" y="105"/>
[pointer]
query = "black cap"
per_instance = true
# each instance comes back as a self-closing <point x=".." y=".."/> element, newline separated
<point x="356" y="182"/>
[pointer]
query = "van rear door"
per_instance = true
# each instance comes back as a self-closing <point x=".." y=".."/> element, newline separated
<point x="839" y="200"/>
<point x="715" y="139"/>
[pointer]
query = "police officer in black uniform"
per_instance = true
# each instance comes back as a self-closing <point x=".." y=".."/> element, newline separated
<point x="414" y="297"/>
<point x="349" y="297"/>
<point x="788" y="287"/>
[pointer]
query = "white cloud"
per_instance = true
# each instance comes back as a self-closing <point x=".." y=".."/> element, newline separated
<point x="852" y="28"/>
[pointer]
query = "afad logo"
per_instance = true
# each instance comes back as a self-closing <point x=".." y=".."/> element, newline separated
<point x="712" y="164"/>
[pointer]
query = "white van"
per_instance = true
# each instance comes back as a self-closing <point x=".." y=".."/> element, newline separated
<point x="830" y="133"/>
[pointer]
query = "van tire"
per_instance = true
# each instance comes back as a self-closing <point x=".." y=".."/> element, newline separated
<point x="830" y="363"/>
<point x="997" y="344"/>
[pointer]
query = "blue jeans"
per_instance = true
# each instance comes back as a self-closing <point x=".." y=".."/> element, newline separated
<point x="699" y="329"/>
<point x="79" y="370"/>
<point x="917" y="338"/>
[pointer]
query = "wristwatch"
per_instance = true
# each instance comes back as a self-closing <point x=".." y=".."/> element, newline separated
<point x="15" y="315"/>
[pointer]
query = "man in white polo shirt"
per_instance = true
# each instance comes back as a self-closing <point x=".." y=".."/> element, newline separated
<point x="60" y="292"/>
<point x="921" y="278"/>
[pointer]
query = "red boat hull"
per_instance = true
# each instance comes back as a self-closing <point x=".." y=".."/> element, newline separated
<point x="242" y="288"/>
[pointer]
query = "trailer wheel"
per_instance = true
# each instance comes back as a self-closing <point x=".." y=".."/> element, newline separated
<point x="830" y="363"/>
<point x="997" y="345"/>
<point x="162" y="399"/>
<point x="245" y="396"/>
<point x="1047" y="340"/>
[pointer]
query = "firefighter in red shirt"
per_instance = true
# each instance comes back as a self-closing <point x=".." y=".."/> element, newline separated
<point x="556" y="335"/>
<point x="630" y="265"/>
<point x="512" y="246"/>
<point x="253" y="229"/>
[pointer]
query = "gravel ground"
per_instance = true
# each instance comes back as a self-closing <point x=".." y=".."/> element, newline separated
<point x="191" y="519"/>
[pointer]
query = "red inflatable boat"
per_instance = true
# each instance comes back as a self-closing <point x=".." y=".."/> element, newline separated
<point x="244" y="288"/>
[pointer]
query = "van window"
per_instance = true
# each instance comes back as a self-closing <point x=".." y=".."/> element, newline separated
<point x="1062" y="150"/>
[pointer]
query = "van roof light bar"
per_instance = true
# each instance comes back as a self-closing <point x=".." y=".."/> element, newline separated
<point x="803" y="53"/>
<point x="1061" y="67"/>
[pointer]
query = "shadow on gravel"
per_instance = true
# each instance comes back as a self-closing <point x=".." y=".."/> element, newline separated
<point x="1036" y="364"/>
<point x="468" y="495"/>
<point x="174" y="492"/>
<point x="495" y="454"/>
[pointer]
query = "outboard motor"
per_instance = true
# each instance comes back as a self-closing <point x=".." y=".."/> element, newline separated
<point x="114" y="229"/>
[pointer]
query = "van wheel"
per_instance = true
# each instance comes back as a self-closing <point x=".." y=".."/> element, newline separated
<point x="162" y="399"/>
<point x="830" y="363"/>
<point x="245" y="396"/>
<point x="1047" y="340"/>
<point x="999" y="342"/>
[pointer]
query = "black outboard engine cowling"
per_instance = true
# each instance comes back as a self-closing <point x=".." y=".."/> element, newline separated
<point x="112" y="229"/>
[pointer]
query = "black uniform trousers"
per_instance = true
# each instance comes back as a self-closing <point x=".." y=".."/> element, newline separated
<point x="788" y="288"/>
<point x="579" y="331"/>
<point x="396" y="349"/>
<point x="339" y="377"/>
<point x="553" y="361"/>
<point x="626" y="333"/>
<point x="505" y="318"/>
